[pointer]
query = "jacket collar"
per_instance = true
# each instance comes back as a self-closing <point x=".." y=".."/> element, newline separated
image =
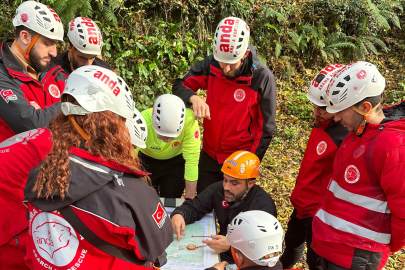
<point x="245" y="75"/>
<point x="10" y="62"/>
<point x="104" y="161"/>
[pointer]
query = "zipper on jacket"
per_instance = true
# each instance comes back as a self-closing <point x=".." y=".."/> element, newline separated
<point x="16" y="240"/>
<point x="251" y="121"/>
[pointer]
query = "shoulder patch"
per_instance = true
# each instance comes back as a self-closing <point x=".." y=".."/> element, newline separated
<point x="159" y="216"/>
<point x="196" y="134"/>
<point x="8" y="95"/>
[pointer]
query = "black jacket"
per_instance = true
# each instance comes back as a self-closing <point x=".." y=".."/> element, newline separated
<point x="63" y="61"/>
<point x="212" y="198"/>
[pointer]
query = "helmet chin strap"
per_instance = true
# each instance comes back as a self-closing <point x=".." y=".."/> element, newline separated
<point x="234" y="257"/>
<point x="366" y="115"/>
<point x="27" y="54"/>
<point x="71" y="57"/>
<point x="78" y="128"/>
<point x="247" y="190"/>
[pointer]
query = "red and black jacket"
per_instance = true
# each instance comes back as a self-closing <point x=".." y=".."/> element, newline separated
<point x="113" y="202"/>
<point x="26" y="103"/>
<point x="212" y="198"/>
<point x="316" y="167"/>
<point x="63" y="61"/>
<point x="243" y="109"/>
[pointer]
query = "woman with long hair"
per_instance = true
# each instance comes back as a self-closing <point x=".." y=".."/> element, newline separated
<point x="90" y="204"/>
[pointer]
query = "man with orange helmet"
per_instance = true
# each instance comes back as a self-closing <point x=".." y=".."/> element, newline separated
<point x="240" y="107"/>
<point x="314" y="175"/>
<point x="85" y="44"/>
<point x="237" y="193"/>
<point x="30" y="95"/>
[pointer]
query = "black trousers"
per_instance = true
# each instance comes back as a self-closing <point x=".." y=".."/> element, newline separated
<point x="362" y="260"/>
<point x="167" y="175"/>
<point x="298" y="232"/>
<point x="209" y="172"/>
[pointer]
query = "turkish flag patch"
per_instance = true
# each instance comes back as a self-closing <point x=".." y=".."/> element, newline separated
<point x="8" y="95"/>
<point x="196" y="134"/>
<point x="160" y="216"/>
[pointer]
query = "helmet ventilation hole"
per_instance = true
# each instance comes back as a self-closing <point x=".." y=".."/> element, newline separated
<point x="347" y="78"/>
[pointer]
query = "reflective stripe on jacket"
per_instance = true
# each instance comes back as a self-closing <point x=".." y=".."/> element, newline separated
<point x="364" y="205"/>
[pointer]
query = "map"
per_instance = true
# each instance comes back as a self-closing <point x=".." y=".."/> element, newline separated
<point x="179" y="257"/>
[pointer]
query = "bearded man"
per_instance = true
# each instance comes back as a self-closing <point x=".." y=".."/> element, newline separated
<point x="29" y="93"/>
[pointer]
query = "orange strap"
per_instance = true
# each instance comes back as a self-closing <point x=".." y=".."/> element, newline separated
<point x="234" y="257"/>
<point x="27" y="54"/>
<point x="78" y="128"/>
<point x="362" y="126"/>
<point x="70" y="58"/>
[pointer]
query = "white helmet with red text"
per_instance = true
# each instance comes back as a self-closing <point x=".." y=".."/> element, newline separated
<point x="85" y="36"/>
<point x="317" y="89"/>
<point x="169" y="115"/>
<point x="258" y="235"/>
<point x="352" y="84"/>
<point x="231" y="40"/>
<point x="40" y="19"/>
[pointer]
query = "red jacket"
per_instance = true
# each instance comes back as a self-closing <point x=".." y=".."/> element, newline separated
<point x="243" y="109"/>
<point x="112" y="202"/>
<point x="18" y="155"/>
<point x="26" y="103"/>
<point x="316" y="167"/>
<point x="364" y="205"/>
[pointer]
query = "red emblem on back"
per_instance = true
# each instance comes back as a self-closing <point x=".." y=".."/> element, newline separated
<point x="160" y="216"/>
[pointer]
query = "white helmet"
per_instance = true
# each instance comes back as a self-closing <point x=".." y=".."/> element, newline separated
<point x="231" y="40"/>
<point x="258" y="235"/>
<point x="316" y="92"/>
<point x="352" y="84"/>
<point x="85" y="36"/>
<point x="40" y="19"/>
<point x="169" y="115"/>
<point x="137" y="129"/>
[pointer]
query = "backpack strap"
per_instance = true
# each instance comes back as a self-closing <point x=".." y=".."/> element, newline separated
<point x="118" y="252"/>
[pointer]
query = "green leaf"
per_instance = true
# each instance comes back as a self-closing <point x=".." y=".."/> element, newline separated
<point x="278" y="50"/>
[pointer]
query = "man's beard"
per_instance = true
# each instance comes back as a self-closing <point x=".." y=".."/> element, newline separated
<point x="235" y="74"/>
<point x="75" y="65"/>
<point x="36" y="61"/>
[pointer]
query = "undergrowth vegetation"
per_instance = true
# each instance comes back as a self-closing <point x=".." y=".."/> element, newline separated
<point x="151" y="42"/>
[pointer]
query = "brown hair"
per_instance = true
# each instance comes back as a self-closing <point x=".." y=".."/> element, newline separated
<point x="109" y="138"/>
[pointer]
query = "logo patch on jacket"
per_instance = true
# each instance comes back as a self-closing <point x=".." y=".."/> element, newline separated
<point x="239" y="95"/>
<point x="8" y="95"/>
<point x="175" y="144"/>
<point x="225" y="204"/>
<point x="23" y="137"/>
<point x="54" y="91"/>
<point x="321" y="147"/>
<point x="54" y="238"/>
<point x="196" y="134"/>
<point x="159" y="216"/>
<point x="352" y="174"/>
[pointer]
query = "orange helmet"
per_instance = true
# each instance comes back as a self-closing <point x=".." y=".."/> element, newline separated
<point x="242" y="165"/>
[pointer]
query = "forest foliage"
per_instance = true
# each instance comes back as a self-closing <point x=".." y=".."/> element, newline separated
<point x="152" y="42"/>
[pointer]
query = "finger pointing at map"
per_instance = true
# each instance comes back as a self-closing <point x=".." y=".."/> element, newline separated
<point x="219" y="244"/>
<point x="179" y="226"/>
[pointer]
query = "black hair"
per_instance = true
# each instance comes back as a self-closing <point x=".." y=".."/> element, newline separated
<point x="373" y="101"/>
<point x="20" y="28"/>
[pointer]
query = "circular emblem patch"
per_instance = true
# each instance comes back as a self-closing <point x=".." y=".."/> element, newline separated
<point x="362" y="74"/>
<point x="54" y="91"/>
<point x="225" y="204"/>
<point x="321" y="147"/>
<point x="239" y="95"/>
<point x="359" y="151"/>
<point x="196" y="134"/>
<point x="175" y="144"/>
<point x="54" y="238"/>
<point x="352" y="174"/>
<point x="25" y="17"/>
